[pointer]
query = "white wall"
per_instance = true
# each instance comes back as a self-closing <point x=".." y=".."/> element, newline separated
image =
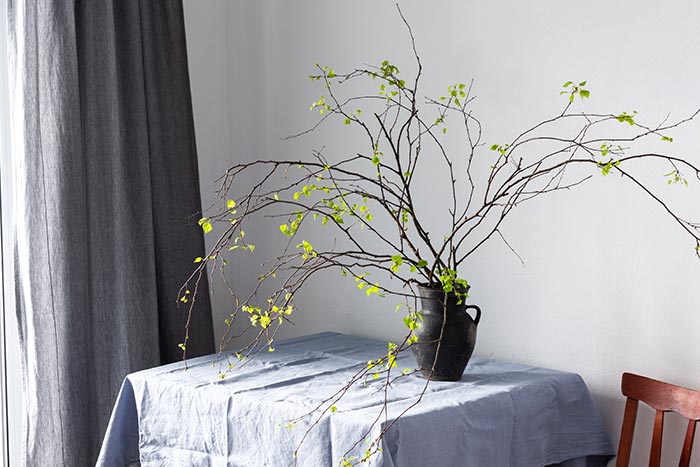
<point x="609" y="284"/>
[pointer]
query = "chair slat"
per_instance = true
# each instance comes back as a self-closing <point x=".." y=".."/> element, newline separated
<point x="688" y="444"/>
<point x="655" y="454"/>
<point x="627" y="435"/>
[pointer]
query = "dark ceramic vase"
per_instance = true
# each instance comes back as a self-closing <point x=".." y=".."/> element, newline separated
<point x="458" y="336"/>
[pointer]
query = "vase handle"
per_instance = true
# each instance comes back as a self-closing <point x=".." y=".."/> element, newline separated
<point x="478" y="313"/>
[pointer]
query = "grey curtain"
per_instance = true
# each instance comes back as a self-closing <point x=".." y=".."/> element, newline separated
<point x="108" y="203"/>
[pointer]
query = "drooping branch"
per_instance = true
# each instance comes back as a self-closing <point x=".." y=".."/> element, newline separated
<point x="368" y="205"/>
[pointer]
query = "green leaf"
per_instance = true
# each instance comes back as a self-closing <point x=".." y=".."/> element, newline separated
<point x="230" y="204"/>
<point x="205" y="224"/>
<point x="606" y="167"/>
<point x="585" y="94"/>
<point x="410" y="323"/>
<point x="198" y="259"/>
<point x="568" y="83"/>
<point x="397" y="261"/>
<point x="625" y="117"/>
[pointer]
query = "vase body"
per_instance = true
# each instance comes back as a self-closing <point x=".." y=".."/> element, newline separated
<point x="458" y="336"/>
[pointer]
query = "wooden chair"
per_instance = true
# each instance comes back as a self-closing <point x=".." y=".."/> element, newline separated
<point x="663" y="397"/>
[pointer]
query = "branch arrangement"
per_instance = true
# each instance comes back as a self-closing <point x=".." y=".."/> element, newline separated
<point x="367" y="204"/>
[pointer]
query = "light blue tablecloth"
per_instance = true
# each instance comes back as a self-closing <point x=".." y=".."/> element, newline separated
<point x="499" y="414"/>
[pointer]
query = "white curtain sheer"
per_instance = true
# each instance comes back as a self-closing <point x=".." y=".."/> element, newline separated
<point x="10" y="394"/>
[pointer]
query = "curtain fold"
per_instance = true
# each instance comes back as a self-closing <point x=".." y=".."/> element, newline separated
<point x="107" y="208"/>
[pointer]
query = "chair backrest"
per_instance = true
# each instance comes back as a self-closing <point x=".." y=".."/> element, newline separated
<point x="663" y="397"/>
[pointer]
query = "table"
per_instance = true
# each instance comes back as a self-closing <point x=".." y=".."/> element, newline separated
<point x="499" y="415"/>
